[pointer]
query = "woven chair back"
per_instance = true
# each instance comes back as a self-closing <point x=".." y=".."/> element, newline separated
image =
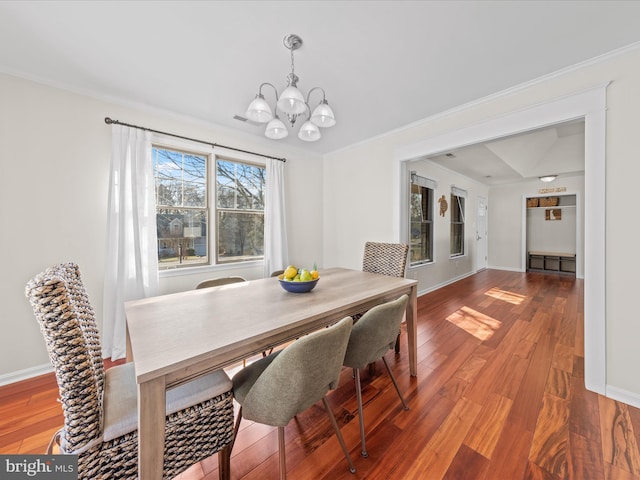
<point x="62" y="309"/>
<point x="385" y="258"/>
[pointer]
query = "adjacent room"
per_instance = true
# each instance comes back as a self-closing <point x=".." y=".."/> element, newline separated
<point x="320" y="239"/>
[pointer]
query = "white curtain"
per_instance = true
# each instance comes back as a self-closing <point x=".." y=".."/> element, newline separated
<point x="131" y="270"/>
<point x="275" y="225"/>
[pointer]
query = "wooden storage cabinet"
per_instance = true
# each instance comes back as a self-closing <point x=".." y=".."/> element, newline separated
<point x="552" y="262"/>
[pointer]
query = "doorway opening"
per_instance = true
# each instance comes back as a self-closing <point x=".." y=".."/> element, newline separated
<point x="590" y="105"/>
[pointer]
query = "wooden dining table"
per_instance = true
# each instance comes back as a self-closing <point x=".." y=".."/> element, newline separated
<point x="177" y="337"/>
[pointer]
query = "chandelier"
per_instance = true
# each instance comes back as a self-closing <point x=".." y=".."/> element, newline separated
<point x="292" y="103"/>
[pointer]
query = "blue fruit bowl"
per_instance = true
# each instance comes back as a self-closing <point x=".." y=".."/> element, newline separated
<point x="298" y="287"/>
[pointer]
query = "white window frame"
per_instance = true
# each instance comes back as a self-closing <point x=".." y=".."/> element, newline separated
<point x="174" y="143"/>
<point x="415" y="179"/>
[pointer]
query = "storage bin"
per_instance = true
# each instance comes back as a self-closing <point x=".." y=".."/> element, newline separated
<point x="549" y="201"/>
<point x="532" y="202"/>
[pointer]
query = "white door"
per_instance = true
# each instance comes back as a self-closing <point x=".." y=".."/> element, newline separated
<point x="481" y="234"/>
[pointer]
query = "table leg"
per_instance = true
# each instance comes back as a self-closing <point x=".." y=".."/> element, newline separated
<point x="151" y="425"/>
<point x="412" y="336"/>
<point x="129" y="356"/>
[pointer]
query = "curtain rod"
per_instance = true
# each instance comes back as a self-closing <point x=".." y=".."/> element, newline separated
<point x="109" y="121"/>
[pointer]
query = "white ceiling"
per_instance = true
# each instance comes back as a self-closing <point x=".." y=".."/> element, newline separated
<point x="556" y="150"/>
<point x="383" y="64"/>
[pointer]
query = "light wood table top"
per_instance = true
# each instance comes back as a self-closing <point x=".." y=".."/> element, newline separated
<point x="174" y="338"/>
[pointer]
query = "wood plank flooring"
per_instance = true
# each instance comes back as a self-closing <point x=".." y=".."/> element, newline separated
<point x="499" y="395"/>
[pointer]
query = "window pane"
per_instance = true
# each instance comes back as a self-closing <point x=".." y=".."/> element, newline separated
<point x="180" y="178"/>
<point x="457" y="239"/>
<point x="240" y="236"/>
<point x="457" y="225"/>
<point x="421" y="224"/>
<point x="182" y="237"/>
<point x="226" y="184"/>
<point x="240" y="186"/>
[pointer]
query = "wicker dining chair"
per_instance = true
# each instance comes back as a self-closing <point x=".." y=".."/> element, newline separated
<point x="100" y="407"/>
<point x="373" y="335"/>
<point x="386" y="259"/>
<point x="275" y="389"/>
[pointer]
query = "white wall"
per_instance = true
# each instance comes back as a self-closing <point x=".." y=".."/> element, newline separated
<point x="369" y="170"/>
<point x="445" y="269"/>
<point x="55" y="150"/>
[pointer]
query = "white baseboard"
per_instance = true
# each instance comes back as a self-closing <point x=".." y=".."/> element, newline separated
<point x="624" y="396"/>
<point x="444" y="284"/>
<point x="506" y="269"/>
<point x="25" y="374"/>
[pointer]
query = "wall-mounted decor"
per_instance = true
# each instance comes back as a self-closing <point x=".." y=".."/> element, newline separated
<point x="552" y="190"/>
<point x="443" y="205"/>
<point x="553" y="214"/>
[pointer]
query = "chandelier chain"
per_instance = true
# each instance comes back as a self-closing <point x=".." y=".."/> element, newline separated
<point x="292" y="64"/>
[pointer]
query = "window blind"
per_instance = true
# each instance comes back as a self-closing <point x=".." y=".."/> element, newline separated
<point x="423" y="181"/>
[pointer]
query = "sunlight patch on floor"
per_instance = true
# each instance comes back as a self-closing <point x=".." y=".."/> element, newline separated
<point x="513" y="298"/>
<point x="477" y="324"/>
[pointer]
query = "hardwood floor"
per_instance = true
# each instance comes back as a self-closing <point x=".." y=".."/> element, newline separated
<point x="499" y="395"/>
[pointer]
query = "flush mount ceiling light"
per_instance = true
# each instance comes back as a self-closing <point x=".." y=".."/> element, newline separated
<point x="292" y="103"/>
<point x="548" y="178"/>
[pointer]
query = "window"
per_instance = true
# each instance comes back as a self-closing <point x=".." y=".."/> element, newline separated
<point x="458" y="197"/>
<point x="240" y="211"/>
<point x="185" y="207"/>
<point x="421" y="220"/>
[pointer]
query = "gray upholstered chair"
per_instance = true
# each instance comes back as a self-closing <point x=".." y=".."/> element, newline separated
<point x="275" y="389"/>
<point x="373" y="335"/>
<point x="276" y="273"/>
<point x="386" y="259"/>
<point x="214" y="282"/>
<point x="100" y="407"/>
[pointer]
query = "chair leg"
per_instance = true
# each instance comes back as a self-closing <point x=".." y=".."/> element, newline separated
<point x="327" y="407"/>
<point x="235" y="429"/>
<point x="356" y="376"/>
<point x="283" y="460"/>
<point x="395" y="384"/>
<point x="398" y="343"/>
<point x="224" y="463"/>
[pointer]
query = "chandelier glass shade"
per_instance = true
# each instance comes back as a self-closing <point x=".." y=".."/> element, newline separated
<point x="276" y="129"/>
<point x="292" y="103"/>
